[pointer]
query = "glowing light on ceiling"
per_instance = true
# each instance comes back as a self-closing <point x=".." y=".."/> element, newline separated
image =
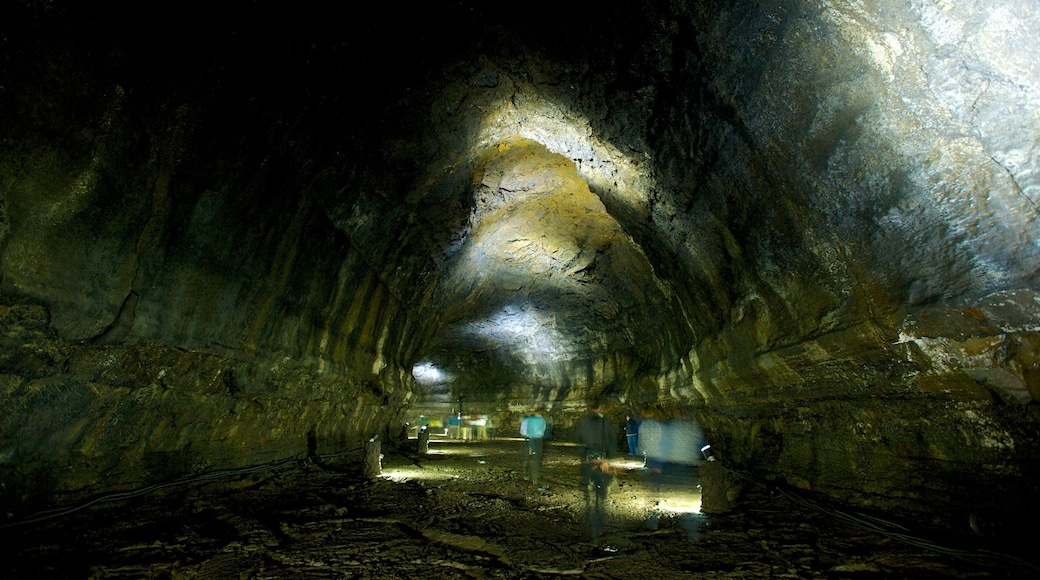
<point x="610" y="173"/>
<point x="522" y="325"/>
<point x="426" y="373"/>
<point x="541" y="243"/>
<point x="510" y="324"/>
<point x="550" y="256"/>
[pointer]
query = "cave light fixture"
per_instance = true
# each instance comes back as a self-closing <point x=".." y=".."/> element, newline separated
<point x="621" y="180"/>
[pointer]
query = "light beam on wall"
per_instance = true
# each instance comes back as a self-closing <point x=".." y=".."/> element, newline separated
<point x="520" y="325"/>
<point x="610" y="173"/>
<point x="427" y="373"/>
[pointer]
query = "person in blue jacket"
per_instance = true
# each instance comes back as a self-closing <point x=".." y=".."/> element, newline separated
<point x="532" y="428"/>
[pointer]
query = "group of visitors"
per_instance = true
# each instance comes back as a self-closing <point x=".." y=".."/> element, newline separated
<point x="458" y="426"/>
<point x="596" y="437"/>
<point x="670" y="446"/>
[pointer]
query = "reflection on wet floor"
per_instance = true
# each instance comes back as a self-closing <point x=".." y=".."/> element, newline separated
<point x="465" y="511"/>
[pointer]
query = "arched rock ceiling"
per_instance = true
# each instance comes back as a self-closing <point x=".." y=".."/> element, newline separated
<point x="785" y="171"/>
<point x="791" y="173"/>
<point x="545" y="280"/>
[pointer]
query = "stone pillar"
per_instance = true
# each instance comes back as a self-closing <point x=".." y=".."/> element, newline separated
<point x="424" y="439"/>
<point x="714" y="488"/>
<point x="373" y="457"/>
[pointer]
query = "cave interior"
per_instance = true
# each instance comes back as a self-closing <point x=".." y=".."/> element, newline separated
<point x="235" y="237"/>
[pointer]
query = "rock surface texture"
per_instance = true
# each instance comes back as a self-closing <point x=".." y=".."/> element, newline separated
<point x="813" y="225"/>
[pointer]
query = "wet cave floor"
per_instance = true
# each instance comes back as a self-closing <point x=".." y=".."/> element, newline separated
<point x="464" y="511"/>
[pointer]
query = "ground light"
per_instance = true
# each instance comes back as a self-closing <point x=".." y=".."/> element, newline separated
<point x="633" y="499"/>
<point x="404" y="474"/>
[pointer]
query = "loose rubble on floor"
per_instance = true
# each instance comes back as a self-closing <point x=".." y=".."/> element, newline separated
<point x="464" y="511"/>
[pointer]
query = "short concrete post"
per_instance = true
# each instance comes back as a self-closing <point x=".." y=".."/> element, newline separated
<point x="424" y="439"/>
<point x="373" y="457"/>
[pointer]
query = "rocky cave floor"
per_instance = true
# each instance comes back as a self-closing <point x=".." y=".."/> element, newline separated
<point x="463" y="511"/>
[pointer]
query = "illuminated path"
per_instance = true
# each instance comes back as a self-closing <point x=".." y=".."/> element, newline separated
<point x="463" y="511"/>
<point x="634" y="497"/>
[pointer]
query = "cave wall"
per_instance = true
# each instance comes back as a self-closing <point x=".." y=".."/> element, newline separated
<point x="208" y="241"/>
<point x="174" y="297"/>
<point x="865" y="217"/>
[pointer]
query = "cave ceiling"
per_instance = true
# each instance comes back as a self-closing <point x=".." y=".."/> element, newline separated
<point x="543" y="193"/>
<point x="546" y="276"/>
<point x="467" y="153"/>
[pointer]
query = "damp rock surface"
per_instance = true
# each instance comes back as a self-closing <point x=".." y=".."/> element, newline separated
<point x="464" y="511"/>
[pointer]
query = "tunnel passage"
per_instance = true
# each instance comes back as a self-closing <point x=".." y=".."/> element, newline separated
<point x="548" y="292"/>
<point x="218" y="252"/>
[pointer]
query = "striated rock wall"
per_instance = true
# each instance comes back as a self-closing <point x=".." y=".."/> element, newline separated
<point x="173" y="297"/>
<point x="845" y="164"/>
<point x="822" y="238"/>
<point x="80" y="419"/>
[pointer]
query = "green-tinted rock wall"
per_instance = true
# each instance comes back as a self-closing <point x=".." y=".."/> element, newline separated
<point x="174" y="297"/>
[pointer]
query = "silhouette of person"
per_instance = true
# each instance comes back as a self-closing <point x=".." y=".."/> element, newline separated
<point x="596" y="437"/>
<point x="632" y="435"/>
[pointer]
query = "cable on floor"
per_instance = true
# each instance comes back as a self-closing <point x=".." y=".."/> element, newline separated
<point x="207" y="476"/>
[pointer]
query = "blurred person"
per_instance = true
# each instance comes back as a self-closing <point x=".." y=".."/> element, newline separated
<point x="532" y="428"/>
<point x="596" y="437"/>
<point x="684" y="440"/>
<point x="466" y="427"/>
<point x="454" y="425"/>
<point x="480" y="422"/>
<point x="653" y="445"/>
